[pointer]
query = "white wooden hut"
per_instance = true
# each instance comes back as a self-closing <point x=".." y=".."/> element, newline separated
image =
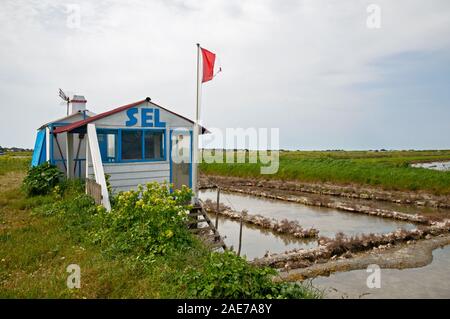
<point x="134" y="144"/>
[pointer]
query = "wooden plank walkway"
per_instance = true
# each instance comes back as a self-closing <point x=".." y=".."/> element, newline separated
<point x="197" y="218"/>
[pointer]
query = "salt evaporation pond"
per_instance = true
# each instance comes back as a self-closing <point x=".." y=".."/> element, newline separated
<point x="327" y="220"/>
<point x="255" y="242"/>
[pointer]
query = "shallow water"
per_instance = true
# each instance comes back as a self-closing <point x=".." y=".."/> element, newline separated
<point x="327" y="220"/>
<point x="256" y="241"/>
<point x="431" y="281"/>
<point x="439" y="166"/>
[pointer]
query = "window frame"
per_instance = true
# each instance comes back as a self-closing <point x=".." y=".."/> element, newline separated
<point x="162" y="146"/>
<point x="116" y="146"/>
<point x="143" y="132"/>
<point x="120" y="147"/>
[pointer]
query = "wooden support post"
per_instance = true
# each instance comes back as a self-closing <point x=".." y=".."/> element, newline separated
<point x="60" y="152"/>
<point x="47" y="144"/>
<point x="77" y="161"/>
<point x="69" y="154"/>
<point x="97" y="164"/>
<point x="87" y="157"/>
<point x="240" y="234"/>
<point x="218" y="207"/>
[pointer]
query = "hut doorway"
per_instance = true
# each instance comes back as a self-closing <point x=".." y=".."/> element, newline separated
<point x="181" y="158"/>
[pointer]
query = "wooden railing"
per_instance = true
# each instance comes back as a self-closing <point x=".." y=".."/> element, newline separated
<point x="94" y="190"/>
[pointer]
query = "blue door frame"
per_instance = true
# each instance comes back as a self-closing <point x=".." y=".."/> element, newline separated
<point x="190" y="154"/>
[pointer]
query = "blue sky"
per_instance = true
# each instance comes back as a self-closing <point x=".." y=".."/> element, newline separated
<point x="310" y="68"/>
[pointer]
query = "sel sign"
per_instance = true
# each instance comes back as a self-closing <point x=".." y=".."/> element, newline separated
<point x="149" y="117"/>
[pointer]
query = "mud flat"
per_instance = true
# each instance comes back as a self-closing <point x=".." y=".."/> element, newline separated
<point x="419" y="198"/>
<point x="407" y="255"/>
<point x="409" y="271"/>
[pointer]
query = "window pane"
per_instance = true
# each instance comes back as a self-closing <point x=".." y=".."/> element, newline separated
<point x="111" y="146"/>
<point x="131" y="145"/>
<point x="107" y="144"/>
<point x="154" y="145"/>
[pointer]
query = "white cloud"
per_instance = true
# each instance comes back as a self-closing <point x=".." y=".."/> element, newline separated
<point x="285" y="63"/>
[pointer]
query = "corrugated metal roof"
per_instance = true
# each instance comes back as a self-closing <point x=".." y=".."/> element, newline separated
<point x="78" y="124"/>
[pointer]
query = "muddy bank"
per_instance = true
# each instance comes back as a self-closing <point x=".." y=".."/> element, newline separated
<point x="429" y="281"/>
<point x="412" y="255"/>
<point x="354" y="192"/>
<point x="347" y="246"/>
<point x="284" y="226"/>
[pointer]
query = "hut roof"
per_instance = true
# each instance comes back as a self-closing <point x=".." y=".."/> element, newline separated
<point x="84" y="122"/>
<point x="68" y="117"/>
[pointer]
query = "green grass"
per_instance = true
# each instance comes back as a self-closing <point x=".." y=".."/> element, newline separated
<point x="19" y="154"/>
<point x="388" y="170"/>
<point x="35" y="251"/>
<point x="38" y="240"/>
<point x="10" y="163"/>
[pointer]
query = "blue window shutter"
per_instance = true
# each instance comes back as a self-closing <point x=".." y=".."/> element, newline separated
<point x="38" y="148"/>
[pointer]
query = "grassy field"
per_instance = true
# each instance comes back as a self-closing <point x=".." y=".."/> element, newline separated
<point x="388" y="170"/>
<point x="35" y="251"/>
<point x="39" y="241"/>
<point x="14" y="162"/>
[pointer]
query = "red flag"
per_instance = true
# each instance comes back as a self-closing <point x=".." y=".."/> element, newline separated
<point x="208" y="65"/>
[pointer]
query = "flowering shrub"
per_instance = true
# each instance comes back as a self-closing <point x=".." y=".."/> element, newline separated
<point x="146" y="223"/>
<point x="41" y="179"/>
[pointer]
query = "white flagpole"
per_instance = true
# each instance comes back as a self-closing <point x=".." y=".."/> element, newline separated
<point x="195" y="154"/>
